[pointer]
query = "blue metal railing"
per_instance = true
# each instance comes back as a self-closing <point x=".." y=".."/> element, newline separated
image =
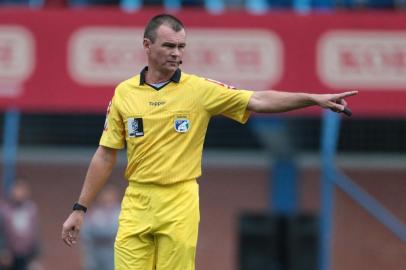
<point x="332" y="176"/>
<point x="10" y="145"/>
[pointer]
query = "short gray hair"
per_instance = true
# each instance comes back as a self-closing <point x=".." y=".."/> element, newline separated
<point x="158" y="20"/>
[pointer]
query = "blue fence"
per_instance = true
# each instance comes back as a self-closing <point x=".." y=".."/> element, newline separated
<point x="332" y="177"/>
<point x="10" y="144"/>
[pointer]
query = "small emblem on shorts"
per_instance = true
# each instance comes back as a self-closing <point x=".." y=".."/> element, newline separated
<point x="135" y="127"/>
<point x="181" y="125"/>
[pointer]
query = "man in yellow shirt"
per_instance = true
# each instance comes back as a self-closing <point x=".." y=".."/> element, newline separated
<point x="161" y="117"/>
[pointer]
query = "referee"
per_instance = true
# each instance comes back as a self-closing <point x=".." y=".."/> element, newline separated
<point x="161" y="117"/>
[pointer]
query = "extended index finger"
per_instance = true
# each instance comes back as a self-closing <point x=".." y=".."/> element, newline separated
<point x="347" y="94"/>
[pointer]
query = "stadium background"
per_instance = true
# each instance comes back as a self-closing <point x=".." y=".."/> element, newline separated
<point x="62" y="113"/>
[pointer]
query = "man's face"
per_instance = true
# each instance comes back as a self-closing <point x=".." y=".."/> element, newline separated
<point x="167" y="51"/>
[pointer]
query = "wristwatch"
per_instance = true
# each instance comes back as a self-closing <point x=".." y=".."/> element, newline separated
<point x="78" y="206"/>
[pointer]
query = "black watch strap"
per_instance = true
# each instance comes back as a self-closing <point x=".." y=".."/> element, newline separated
<point x="78" y="206"/>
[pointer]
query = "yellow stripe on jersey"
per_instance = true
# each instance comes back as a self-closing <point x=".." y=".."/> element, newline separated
<point x="164" y="129"/>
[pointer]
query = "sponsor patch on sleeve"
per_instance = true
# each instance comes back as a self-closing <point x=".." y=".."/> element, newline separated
<point x="106" y="122"/>
<point x="220" y="83"/>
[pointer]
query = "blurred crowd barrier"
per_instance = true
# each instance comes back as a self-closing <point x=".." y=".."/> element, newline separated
<point x="62" y="78"/>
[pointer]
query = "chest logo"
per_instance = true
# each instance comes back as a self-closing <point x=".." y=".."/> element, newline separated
<point x="135" y="127"/>
<point x="157" y="103"/>
<point x="182" y="125"/>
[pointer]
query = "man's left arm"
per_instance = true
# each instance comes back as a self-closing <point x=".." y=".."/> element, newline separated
<point x="277" y="101"/>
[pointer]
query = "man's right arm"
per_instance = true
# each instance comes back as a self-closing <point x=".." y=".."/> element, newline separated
<point x="272" y="101"/>
<point x="97" y="175"/>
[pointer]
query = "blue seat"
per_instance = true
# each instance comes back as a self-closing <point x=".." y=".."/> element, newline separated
<point x="29" y="3"/>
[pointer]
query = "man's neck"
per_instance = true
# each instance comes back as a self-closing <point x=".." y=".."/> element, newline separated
<point x="156" y="76"/>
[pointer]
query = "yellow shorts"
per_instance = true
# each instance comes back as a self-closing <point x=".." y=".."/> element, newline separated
<point x="158" y="227"/>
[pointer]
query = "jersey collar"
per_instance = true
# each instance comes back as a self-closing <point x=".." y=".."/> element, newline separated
<point x="175" y="77"/>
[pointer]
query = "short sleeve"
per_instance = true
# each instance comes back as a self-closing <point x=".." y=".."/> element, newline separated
<point x="114" y="132"/>
<point x="225" y="100"/>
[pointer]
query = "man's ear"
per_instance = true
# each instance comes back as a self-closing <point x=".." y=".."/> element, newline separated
<point x="146" y="43"/>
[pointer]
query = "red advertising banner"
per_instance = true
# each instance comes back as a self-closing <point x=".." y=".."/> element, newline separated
<point x="71" y="60"/>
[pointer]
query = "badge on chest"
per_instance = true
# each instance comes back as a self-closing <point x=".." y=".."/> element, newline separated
<point x="181" y="124"/>
<point x="135" y="127"/>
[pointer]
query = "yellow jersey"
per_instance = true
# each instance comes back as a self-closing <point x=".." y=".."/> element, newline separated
<point x="164" y="128"/>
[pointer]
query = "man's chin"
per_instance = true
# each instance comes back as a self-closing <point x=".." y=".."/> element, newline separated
<point x="168" y="68"/>
<point x="172" y="67"/>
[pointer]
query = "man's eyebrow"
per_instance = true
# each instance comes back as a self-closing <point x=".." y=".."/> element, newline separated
<point x="174" y="43"/>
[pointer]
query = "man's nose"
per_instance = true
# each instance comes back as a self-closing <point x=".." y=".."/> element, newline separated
<point x="175" y="51"/>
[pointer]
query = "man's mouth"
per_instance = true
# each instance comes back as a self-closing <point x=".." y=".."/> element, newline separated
<point x="173" y="62"/>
